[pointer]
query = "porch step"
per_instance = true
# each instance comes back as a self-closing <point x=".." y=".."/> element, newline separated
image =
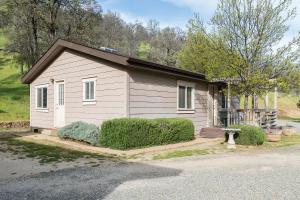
<point x="212" y="133"/>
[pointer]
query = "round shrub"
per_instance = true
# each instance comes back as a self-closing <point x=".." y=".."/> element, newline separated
<point x="249" y="135"/>
<point x="127" y="133"/>
<point x="80" y="131"/>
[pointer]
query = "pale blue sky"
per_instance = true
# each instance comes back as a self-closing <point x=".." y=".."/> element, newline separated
<point x="167" y="12"/>
<point x="175" y="12"/>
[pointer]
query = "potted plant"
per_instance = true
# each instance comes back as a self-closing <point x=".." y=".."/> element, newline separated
<point x="273" y="135"/>
<point x="288" y="130"/>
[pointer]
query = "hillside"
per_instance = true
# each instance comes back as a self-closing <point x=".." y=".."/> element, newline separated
<point x="14" y="96"/>
<point x="287" y="105"/>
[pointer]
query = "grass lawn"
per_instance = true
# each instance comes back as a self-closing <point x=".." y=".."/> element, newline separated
<point x="3" y="39"/>
<point x="221" y="148"/>
<point x="14" y="96"/>
<point x="181" y="153"/>
<point x="293" y="119"/>
<point x="285" y="141"/>
<point x="44" y="153"/>
<point x="287" y="105"/>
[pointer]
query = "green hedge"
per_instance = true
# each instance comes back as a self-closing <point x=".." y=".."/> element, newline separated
<point x="80" y="131"/>
<point x="249" y="135"/>
<point x="127" y="133"/>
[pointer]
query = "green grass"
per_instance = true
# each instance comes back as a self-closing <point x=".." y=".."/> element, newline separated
<point x="293" y="119"/>
<point x="3" y="39"/>
<point x="14" y="96"/>
<point x="44" y="153"/>
<point x="287" y="105"/>
<point x="285" y="141"/>
<point x="181" y="153"/>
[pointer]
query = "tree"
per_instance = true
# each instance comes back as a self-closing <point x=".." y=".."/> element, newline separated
<point x="33" y="25"/>
<point x="79" y="21"/>
<point x="170" y="41"/>
<point x="163" y="44"/>
<point x="135" y="34"/>
<point x="292" y="83"/>
<point x="22" y="25"/>
<point x="245" y="41"/>
<point x="111" y="31"/>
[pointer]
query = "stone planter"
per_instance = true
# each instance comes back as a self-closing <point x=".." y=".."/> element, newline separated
<point x="288" y="131"/>
<point x="14" y="124"/>
<point x="274" y="137"/>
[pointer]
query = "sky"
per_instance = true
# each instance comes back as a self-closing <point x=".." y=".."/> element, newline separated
<point x="176" y="12"/>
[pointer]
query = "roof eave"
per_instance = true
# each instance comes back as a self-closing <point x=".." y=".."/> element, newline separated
<point x="60" y="45"/>
<point x="47" y="58"/>
<point x="167" y="69"/>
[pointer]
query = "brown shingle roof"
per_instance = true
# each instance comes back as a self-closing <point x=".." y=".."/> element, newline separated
<point x="60" y="45"/>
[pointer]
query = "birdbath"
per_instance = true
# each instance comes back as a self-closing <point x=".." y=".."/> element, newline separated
<point x="231" y="132"/>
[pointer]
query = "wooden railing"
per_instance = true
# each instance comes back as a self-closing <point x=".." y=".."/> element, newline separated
<point x="259" y="117"/>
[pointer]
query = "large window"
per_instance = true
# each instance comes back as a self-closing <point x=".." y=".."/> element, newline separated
<point x="185" y="95"/>
<point x="89" y="88"/>
<point x="42" y="97"/>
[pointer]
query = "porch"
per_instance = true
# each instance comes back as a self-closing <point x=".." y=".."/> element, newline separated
<point x="224" y="110"/>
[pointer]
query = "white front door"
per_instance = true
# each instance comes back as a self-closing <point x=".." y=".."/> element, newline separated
<point x="59" y="104"/>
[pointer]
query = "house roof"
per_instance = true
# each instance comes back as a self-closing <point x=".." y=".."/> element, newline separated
<point x="130" y="62"/>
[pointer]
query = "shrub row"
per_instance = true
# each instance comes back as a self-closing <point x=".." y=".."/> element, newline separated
<point x="249" y="135"/>
<point x="127" y="133"/>
<point x="80" y="131"/>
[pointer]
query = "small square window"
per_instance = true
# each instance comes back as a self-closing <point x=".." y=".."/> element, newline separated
<point x="42" y="97"/>
<point x="185" y="96"/>
<point x="89" y="88"/>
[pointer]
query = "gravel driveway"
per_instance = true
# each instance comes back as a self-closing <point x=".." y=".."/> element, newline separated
<point x="256" y="175"/>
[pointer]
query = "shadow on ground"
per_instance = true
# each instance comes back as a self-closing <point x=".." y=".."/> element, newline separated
<point x="81" y="183"/>
<point x="76" y="182"/>
<point x="15" y="132"/>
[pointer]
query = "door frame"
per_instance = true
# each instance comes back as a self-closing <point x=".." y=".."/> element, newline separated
<point x="55" y="100"/>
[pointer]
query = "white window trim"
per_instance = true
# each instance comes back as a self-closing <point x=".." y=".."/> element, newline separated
<point x="92" y="102"/>
<point x="36" y="100"/>
<point x="186" y="84"/>
<point x="88" y="101"/>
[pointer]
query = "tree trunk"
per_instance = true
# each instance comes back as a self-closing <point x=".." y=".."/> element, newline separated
<point x="34" y="37"/>
<point x="22" y="69"/>
<point x="252" y="107"/>
<point x="246" y="107"/>
<point x="34" y="30"/>
<point x="253" y="102"/>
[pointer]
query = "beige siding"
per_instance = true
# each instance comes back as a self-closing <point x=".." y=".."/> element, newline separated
<point x="154" y="95"/>
<point x="110" y="93"/>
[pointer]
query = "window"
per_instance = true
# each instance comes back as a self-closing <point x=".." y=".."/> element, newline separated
<point x="89" y="88"/>
<point x="42" y="97"/>
<point x="223" y="100"/>
<point x="61" y="93"/>
<point x="185" y="95"/>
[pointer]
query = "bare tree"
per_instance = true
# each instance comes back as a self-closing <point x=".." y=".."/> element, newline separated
<point x="111" y="31"/>
<point x="253" y="30"/>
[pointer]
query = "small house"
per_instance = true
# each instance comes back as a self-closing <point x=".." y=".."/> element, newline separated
<point x="72" y="82"/>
